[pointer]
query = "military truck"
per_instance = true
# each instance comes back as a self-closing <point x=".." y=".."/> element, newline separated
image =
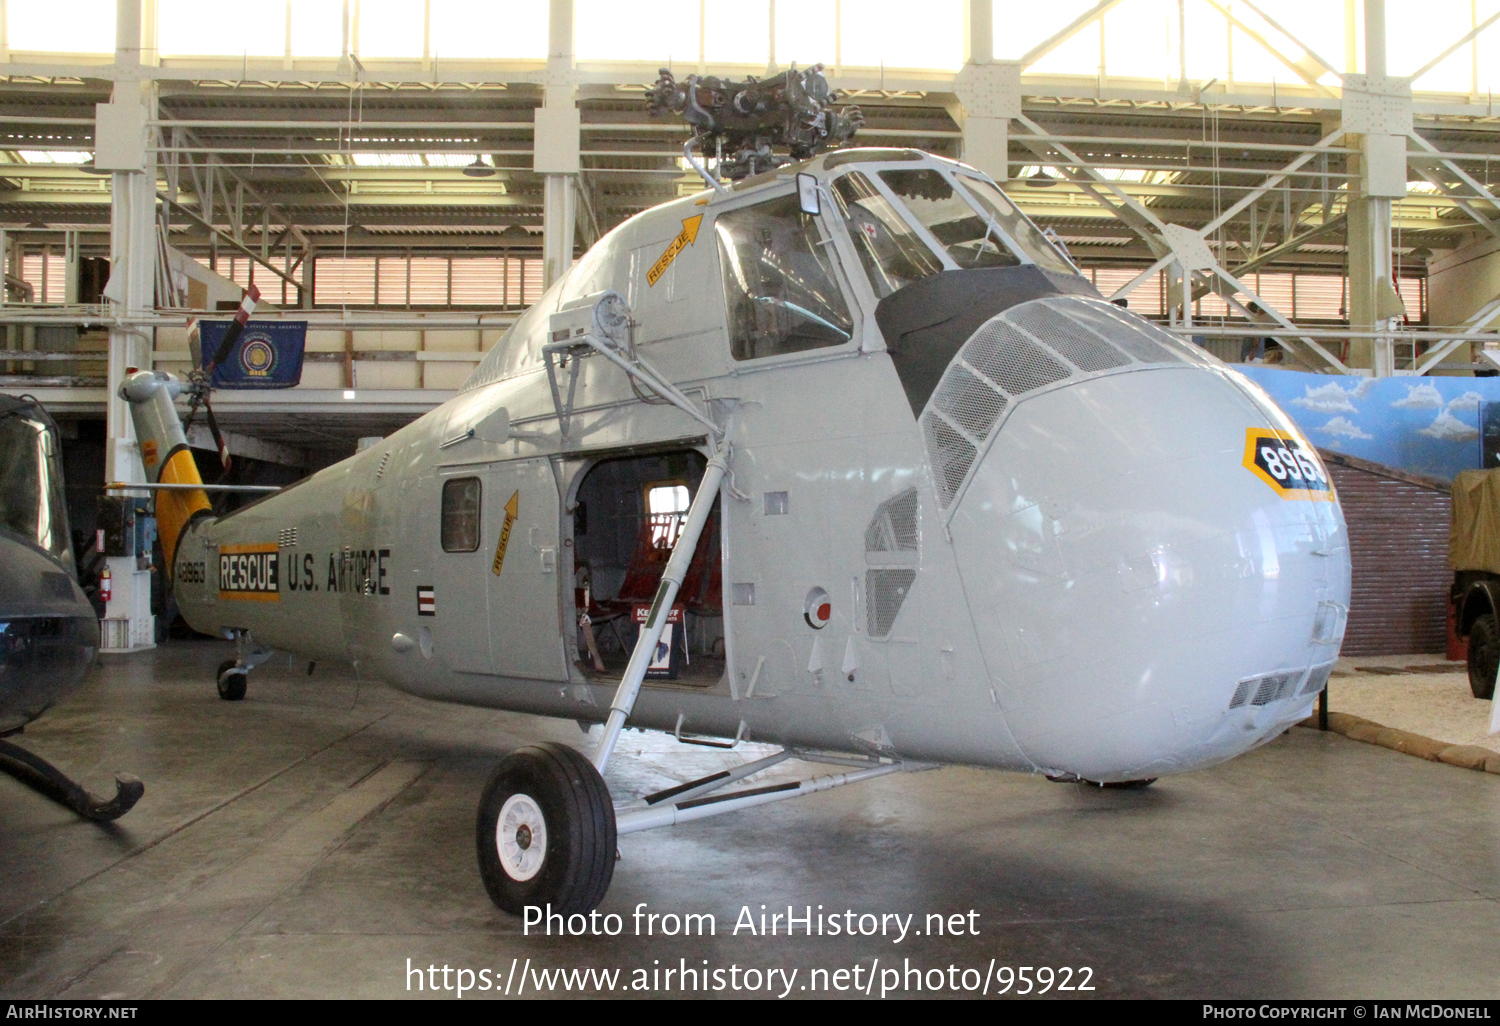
<point x="1474" y="554"/>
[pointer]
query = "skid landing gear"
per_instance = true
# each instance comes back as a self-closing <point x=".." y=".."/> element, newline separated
<point x="45" y="779"/>
<point x="546" y="831"/>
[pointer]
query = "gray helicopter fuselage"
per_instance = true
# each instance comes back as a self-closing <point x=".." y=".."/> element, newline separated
<point x="1046" y="535"/>
<point x="48" y="631"/>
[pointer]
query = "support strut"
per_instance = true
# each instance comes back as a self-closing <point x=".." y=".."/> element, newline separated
<point x="661" y="605"/>
<point x="686" y="808"/>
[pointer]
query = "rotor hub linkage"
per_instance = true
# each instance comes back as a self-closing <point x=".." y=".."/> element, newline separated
<point x="745" y="120"/>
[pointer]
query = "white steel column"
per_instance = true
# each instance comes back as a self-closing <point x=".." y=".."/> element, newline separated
<point x="557" y="138"/>
<point x="119" y="146"/>
<point x="986" y="94"/>
<point x="1377" y="116"/>
<point x="559" y="223"/>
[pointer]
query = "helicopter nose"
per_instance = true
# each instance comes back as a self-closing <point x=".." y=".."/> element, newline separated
<point x="1146" y="599"/>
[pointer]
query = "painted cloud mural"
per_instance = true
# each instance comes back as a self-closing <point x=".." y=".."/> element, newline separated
<point x="1424" y="425"/>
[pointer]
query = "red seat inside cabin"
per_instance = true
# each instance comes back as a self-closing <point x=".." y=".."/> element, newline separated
<point x="702" y="588"/>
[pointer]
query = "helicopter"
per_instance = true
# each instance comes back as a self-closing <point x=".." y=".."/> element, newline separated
<point x="844" y="456"/>
<point x="49" y="635"/>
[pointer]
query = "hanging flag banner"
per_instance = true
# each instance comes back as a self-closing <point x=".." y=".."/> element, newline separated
<point x="268" y="354"/>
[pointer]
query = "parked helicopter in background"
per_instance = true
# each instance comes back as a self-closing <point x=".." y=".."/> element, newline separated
<point x="854" y="430"/>
<point x="49" y="635"/>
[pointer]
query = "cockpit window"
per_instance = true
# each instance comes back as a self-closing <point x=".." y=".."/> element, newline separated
<point x="778" y="282"/>
<point x="891" y="252"/>
<point x="971" y="239"/>
<point x="1018" y="226"/>
<point x="32" y="503"/>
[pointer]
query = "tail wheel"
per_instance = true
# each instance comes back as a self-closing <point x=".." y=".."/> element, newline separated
<point x="546" y="831"/>
<point x="232" y="680"/>
<point x="1484" y="655"/>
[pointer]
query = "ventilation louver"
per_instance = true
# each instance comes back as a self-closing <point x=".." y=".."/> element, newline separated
<point x="1317" y="679"/>
<point x="885" y="591"/>
<point x="1266" y="688"/>
<point x="894" y="528"/>
<point x="892" y="537"/>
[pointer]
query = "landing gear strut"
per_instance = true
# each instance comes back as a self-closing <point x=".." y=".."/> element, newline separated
<point x="45" y="779"/>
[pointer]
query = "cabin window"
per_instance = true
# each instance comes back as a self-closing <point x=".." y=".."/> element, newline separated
<point x="1017" y="225"/>
<point x="779" y="282"/>
<point x="32" y="502"/>
<point x="667" y="505"/>
<point x="891" y="252"/>
<point x="461" y="514"/>
<point x="970" y="239"/>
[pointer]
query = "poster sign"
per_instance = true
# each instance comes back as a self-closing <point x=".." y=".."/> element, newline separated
<point x="268" y="354"/>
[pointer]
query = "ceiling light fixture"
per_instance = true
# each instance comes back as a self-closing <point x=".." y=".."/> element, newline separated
<point x="479" y="169"/>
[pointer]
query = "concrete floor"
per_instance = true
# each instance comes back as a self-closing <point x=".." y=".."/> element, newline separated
<point x="312" y="839"/>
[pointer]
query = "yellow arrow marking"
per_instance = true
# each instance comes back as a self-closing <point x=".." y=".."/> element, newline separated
<point x="512" y="508"/>
<point x="685" y="238"/>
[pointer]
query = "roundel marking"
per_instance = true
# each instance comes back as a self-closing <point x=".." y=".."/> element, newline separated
<point x="818" y="609"/>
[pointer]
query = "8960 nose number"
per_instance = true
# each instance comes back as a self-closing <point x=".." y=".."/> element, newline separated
<point x="1282" y="461"/>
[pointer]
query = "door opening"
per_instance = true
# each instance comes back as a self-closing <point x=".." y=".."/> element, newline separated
<point x="627" y="516"/>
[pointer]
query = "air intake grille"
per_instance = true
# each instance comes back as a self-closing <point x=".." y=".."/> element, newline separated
<point x="1266" y="688"/>
<point x="1125" y="332"/>
<point x="287" y="537"/>
<point x="894" y="528"/>
<point x="892" y="537"/>
<point x="1053" y="329"/>
<point x="1010" y="360"/>
<point x="969" y="402"/>
<point x="1317" y="679"/>
<point x="1028" y="347"/>
<point x="885" y="590"/>
<point x="951" y="455"/>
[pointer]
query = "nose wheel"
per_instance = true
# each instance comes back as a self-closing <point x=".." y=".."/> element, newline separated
<point x="546" y="831"/>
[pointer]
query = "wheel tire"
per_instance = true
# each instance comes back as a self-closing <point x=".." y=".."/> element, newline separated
<point x="551" y="790"/>
<point x="232" y="681"/>
<point x="1484" y="655"/>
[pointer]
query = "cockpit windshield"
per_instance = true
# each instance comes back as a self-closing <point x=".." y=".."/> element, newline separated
<point x="32" y="503"/>
<point x="778" y="282"/>
<point x="891" y="252"/>
<point x="970" y="239"/>
<point x="1017" y="225"/>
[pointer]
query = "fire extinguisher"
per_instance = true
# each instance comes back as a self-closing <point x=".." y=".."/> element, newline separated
<point x="106" y="585"/>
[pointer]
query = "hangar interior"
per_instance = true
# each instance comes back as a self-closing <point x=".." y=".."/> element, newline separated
<point x="1307" y="186"/>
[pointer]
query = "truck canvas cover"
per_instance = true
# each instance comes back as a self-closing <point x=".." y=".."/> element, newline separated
<point x="1474" y="541"/>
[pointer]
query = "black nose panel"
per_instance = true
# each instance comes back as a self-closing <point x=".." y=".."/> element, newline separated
<point x="927" y="322"/>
